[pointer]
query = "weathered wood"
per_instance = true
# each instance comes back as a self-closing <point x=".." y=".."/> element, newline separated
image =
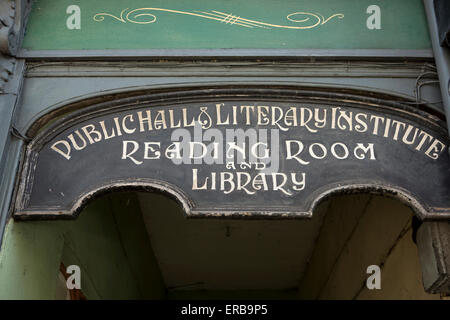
<point x="277" y="153"/>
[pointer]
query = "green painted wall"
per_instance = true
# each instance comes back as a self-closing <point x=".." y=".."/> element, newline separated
<point x="108" y="241"/>
<point x="177" y="24"/>
<point x="29" y="260"/>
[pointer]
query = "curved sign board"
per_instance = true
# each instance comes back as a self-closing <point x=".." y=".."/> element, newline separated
<point x="220" y="156"/>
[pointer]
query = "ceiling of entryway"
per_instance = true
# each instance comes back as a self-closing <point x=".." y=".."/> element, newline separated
<point x="212" y="254"/>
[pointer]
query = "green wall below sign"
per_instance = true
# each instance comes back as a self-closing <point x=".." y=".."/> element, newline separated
<point x="108" y="241"/>
<point x="213" y="24"/>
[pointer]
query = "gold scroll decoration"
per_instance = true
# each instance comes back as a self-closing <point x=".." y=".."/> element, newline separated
<point x="307" y="20"/>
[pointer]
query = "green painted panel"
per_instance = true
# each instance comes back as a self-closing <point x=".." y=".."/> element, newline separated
<point x="108" y="241"/>
<point x="214" y="24"/>
<point x="29" y="260"/>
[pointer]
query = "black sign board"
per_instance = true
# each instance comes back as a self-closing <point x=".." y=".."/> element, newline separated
<point x="249" y="157"/>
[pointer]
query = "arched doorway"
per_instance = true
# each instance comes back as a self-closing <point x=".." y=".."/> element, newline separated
<point x="247" y="233"/>
<point x="136" y="245"/>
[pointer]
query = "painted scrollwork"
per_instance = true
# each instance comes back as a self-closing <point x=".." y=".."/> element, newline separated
<point x="301" y="20"/>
